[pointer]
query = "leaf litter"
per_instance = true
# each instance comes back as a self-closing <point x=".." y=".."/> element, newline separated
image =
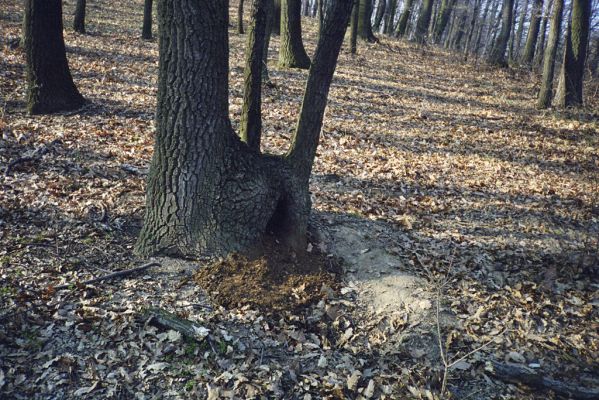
<point x="444" y="169"/>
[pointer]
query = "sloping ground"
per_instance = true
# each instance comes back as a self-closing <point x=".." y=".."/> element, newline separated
<point x="437" y="181"/>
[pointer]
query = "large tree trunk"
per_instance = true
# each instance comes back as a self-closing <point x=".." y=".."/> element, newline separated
<point x="569" y="92"/>
<point x="353" y="36"/>
<point x="544" y="99"/>
<point x="497" y="54"/>
<point x="364" y="24"/>
<point x="442" y="19"/>
<point x="533" y="32"/>
<point x="404" y="18"/>
<point x="292" y="53"/>
<point x="251" y="116"/>
<point x="146" y="31"/>
<point x="79" y="20"/>
<point x="240" y="18"/>
<point x="424" y="20"/>
<point x="50" y="85"/>
<point x="208" y="192"/>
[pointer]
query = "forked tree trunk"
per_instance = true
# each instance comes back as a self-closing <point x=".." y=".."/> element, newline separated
<point x="240" y="17"/>
<point x="544" y="99"/>
<point x="79" y="20"/>
<point x="569" y="93"/>
<point x="533" y="32"/>
<point x="292" y="53"/>
<point x="146" y="31"/>
<point x="424" y="20"/>
<point x="251" y="116"/>
<point x="404" y="18"/>
<point x="208" y="192"/>
<point x="50" y="84"/>
<point x="497" y="54"/>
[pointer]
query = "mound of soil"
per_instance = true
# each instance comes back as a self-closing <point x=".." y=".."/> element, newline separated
<point x="277" y="281"/>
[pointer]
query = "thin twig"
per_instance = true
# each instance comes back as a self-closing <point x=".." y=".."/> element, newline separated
<point x="118" y="274"/>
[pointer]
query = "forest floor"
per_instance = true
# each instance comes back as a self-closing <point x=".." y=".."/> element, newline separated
<point x="467" y="222"/>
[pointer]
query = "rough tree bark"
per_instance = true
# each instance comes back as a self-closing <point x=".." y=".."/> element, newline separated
<point x="533" y="32"/>
<point x="544" y="99"/>
<point x="207" y="192"/>
<point x="424" y="20"/>
<point x="240" y="18"/>
<point x="364" y="24"/>
<point x="79" y="20"/>
<point x="442" y="19"/>
<point x="569" y="92"/>
<point x="497" y="53"/>
<point x="146" y="31"/>
<point x="404" y="18"/>
<point x="50" y="84"/>
<point x="292" y="53"/>
<point x="251" y="115"/>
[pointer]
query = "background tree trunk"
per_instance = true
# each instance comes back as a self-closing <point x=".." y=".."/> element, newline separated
<point x="292" y="53"/>
<point x="404" y="18"/>
<point x="240" y="18"/>
<point x="380" y="13"/>
<point x="520" y="30"/>
<point x="424" y="20"/>
<point x="251" y="115"/>
<point x="207" y="192"/>
<point x="353" y="37"/>
<point x="146" y="32"/>
<point x="390" y="16"/>
<point x="538" y="59"/>
<point x="472" y="24"/>
<point x="79" y="21"/>
<point x="544" y="99"/>
<point x="443" y="19"/>
<point x="276" y="18"/>
<point x="572" y="73"/>
<point x="50" y="84"/>
<point x="364" y="24"/>
<point x="497" y="54"/>
<point x="270" y="8"/>
<point x="533" y="32"/>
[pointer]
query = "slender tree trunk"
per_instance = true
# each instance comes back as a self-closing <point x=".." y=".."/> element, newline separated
<point x="424" y="20"/>
<point x="513" y="34"/>
<point x="494" y="30"/>
<point x="572" y="73"/>
<point x="292" y="53"/>
<point x="364" y="24"/>
<point x="442" y="19"/>
<point x="306" y="8"/>
<point x="497" y="54"/>
<point x="146" y="31"/>
<point x="79" y="21"/>
<point x="538" y="59"/>
<point x="276" y="18"/>
<point x="240" y="17"/>
<point x="207" y="192"/>
<point x="404" y="18"/>
<point x="390" y="16"/>
<point x="472" y="23"/>
<point x="520" y="30"/>
<point x="533" y="32"/>
<point x="251" y="116"/>
<point x="594" y="60"/>
<point x="481" y="28"/>
<point x="270" y="6"/>
<point x="458" y="35"/>
<point x="50" y="85"/>
<point x="353" y="37"/>
<point x="544" y="99"/>
<point x="380" y="13"/>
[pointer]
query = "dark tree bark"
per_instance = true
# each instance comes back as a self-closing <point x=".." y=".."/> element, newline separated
<point x="353" y="37"/>
<point x="458" y="36"/>
<point x="79" y="21"/>
<point x="50" y="84"/>
<point x="538" y="59"/>
<point x="472" y="24"/>
<point x="292" y="53"/>
<point x="251" y="116"/>
<point x="240" y="18"/>
<point x="424" y="20"/>
<point x="497" y="54"/>
<point x="380" y="13"/>
<point x="594" y="60"/>
<point x="533" y="32"/>
<point x="270" y="8"/>
<point x="207" y="192"/>
<point x="442" y="19"/>
<point x="364" y="25"/>
<point x="276" y="18"/>
<point x="390" y="16"/>
<point x="404" y="18"/>
<point x="513" y="34"/>
<point x="569" y="92"/>
<point x="481" y="28"/>
<point x="544" y="99"/>
<point x="146" y="31"/>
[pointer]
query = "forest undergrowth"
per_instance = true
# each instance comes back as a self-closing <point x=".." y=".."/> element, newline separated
<point x="492" y="202"/>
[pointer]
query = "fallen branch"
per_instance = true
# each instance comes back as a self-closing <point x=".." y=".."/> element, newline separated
<point x="35" y="156"/>
<point x="165" y="319"/>
<point x="519" y="374"/>
<point x="118" y="274"/>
